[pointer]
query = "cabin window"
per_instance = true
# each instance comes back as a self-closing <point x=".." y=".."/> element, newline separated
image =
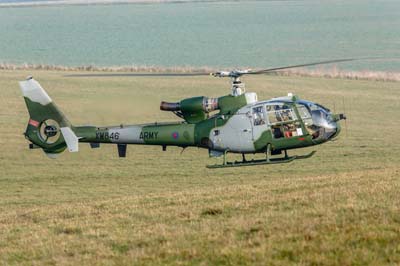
<point x="280" y="113"/>
<point x="282" y="119"/>
<point x="258" y="116"/>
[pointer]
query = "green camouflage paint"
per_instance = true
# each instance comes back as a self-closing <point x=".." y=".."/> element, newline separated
<point x="46" y="121"/>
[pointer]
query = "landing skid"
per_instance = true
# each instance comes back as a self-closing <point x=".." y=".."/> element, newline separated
<point x="268" y="160"/>
<point x="306" y="156"/>
<point x="252" y="162"/>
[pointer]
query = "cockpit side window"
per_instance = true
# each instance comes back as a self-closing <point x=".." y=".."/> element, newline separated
<point x="305" y="114"/>
<point x="258" y="116"/>
<point x="303" y="111"/>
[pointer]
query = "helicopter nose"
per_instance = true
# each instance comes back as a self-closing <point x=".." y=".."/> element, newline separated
<point x="337" y="128"/>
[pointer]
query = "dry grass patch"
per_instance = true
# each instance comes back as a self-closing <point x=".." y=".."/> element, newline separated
<point x="340" y="207"/>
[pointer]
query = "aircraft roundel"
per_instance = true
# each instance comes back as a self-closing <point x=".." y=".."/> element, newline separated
<point x="175" y="135"/>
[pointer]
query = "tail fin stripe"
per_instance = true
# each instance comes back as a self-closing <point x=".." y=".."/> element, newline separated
<point x="33" y="123"/>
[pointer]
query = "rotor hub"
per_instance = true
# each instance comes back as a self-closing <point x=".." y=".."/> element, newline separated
<point x="50" y="131"/>
<point x="238" y="88"/>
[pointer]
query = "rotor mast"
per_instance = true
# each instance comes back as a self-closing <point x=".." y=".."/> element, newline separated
<point x="237" y="87"/>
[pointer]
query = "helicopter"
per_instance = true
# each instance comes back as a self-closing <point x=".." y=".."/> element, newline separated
<point x="233" y="123"/>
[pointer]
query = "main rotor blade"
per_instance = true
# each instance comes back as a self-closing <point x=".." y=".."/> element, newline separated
<point x="268" y="70"/>
<point x="139" y="74"/>
<point x="192" y="74"/>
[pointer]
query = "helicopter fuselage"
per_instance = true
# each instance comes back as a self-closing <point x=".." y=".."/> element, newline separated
<point x="235" y="123"/>
<point x="285" y="123"/>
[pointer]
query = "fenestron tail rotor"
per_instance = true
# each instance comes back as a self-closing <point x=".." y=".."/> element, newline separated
<point x="49" y="131"/>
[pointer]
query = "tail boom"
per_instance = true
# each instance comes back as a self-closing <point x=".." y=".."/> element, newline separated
<point x="173" y="134"/>
<point x="49" y="129"/>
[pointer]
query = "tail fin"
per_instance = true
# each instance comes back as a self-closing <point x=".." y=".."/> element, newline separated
<point x="48" y="128"/>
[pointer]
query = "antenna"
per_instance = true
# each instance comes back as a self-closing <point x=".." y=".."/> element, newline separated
<point x="344" y="111"/>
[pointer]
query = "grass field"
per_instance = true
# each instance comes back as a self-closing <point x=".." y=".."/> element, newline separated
<point x="341" y="207"/>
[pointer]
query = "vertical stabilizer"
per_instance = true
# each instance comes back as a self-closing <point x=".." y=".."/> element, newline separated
<point x="47" y="127"/>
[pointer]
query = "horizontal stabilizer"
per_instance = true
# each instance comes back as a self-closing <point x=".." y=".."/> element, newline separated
<point x="70" y="138"/>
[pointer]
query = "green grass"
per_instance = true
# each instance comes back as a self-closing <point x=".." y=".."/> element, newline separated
<point x="341" y="207"/>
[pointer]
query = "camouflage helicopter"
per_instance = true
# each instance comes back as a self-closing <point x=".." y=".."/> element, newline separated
<point x="234" y="123"/>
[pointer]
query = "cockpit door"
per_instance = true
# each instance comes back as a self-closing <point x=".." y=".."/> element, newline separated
<point x="286" y="127"/>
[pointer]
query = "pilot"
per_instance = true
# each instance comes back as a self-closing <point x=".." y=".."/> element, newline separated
<point x="286" y="113"/>
<point x="313" y="131"/>
<point x="277" y="132"/>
